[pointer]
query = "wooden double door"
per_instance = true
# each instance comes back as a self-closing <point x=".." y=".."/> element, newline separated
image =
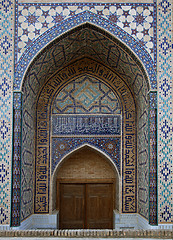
<point x="86" y="206"/>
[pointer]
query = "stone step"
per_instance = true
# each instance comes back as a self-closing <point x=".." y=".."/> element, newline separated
<point x="143" y="234"/>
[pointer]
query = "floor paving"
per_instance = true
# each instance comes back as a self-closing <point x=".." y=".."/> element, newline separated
<point x="50" y="238"/>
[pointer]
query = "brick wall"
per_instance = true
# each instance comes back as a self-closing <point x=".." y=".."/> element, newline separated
<point x="86" y="164"/>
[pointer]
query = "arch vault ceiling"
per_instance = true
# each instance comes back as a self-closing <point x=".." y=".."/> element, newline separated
<point x="83" y="41"/>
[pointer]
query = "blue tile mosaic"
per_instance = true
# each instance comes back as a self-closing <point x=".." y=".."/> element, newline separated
<point x="6" y="85"/>
<point x="16" y="160"/>
<point x="86" y="125"/>
<point x="35" y="45"/>
<point x="107" y="12"/>
<point x="165" y="128"/>
<point x="164" y="84"/>
<point x="153" y="198"/>
<point x="62" y="146"/>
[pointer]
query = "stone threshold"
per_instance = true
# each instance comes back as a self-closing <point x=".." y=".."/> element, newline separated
<point x="128" y="233"/>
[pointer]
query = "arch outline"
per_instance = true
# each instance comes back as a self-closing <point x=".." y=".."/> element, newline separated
<point x="53" y="179"/>
<point x="80" y="21"/>
<point x="129" y="111"/>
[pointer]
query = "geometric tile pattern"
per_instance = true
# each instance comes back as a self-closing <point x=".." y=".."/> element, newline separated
<point x="108" y="145"/>
<point x="16" y="163"/>
<point x="34" y="19"/>
<point x="133" y="18"/>
<point x="6" y="82"/>
<point x="74" y="21"/>
<point x="91" y="41"/>
<point x="86" y="96"/>
<point x="165" y="118"/>
<point x="165" y="169"/>
<point x="153" y="158"/>
<point x="27" y="155"/>
<point x="143" y="156"/>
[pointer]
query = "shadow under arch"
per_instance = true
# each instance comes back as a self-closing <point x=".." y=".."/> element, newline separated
<point x="103" y="155"/>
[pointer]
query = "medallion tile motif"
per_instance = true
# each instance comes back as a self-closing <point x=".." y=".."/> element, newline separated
<point x="108" y="145"/>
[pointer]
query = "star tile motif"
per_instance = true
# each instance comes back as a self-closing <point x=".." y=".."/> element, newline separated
<point x="31" y="19"/>
<point x="35" y="19"/>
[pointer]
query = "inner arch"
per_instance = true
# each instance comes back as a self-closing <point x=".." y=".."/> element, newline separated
<point x="86" y="165"/>
<point x="45" y="66"/>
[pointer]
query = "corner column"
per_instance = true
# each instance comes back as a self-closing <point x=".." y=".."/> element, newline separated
<point x="16" y="159"/>
<point x="153" y="158"/>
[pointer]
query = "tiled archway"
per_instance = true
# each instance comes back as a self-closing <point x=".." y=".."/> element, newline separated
<point x="117" y="56"/>
<point x="88" y="77"/>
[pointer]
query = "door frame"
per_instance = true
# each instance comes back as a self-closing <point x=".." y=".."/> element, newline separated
<point x="84" y="181"/>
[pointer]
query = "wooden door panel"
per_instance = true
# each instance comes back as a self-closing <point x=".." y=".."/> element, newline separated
<point x="99" y="206"/>
<point x="86" y="206"/>
<point x="72" y="206"/>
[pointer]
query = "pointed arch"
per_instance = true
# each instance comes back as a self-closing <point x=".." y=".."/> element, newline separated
<point x="139" y="66"/>
<point x="89" y="146"/>
<point x="54" y="85"/>
<point x="109" y="166"/>
<point x="67" y="27"/>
